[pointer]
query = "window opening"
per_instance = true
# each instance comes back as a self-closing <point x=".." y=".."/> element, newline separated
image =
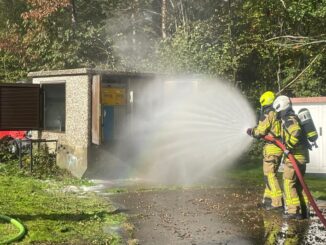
<point x="54" y="114"/>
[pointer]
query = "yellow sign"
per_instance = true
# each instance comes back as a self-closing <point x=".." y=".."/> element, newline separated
<point x="113" y="96"/>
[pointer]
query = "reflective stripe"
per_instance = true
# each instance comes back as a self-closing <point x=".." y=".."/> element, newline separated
<point x="274" y="191"/>
<point x="292" y="201"/>
<point x="294" y="127"/>
<point x="299" y="157"/>
<point x="293" y="140"/>
<point x="305" y="198"/>
<point x="271" y="149"/>
<point x="277" y="129"/>
<point x="311" y="134"/>
<point x="267" y="193"/>
<point x="272" y="152"/>
<point x="287" y="191"/>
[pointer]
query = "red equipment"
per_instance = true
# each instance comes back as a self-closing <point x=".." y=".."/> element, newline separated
<point x="9" y="141"/>
<point x="300" y="177"/>
<point x="13" y="134"/>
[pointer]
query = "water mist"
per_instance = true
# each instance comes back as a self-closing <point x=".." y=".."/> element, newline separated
<point x="183" y="130"/>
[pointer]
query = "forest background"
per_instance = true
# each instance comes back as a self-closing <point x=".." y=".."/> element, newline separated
<point x="257" y="45"/>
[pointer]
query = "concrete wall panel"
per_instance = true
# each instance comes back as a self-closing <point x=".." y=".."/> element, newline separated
<point x="73" y="143"/>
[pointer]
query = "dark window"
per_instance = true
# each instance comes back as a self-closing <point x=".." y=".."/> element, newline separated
<point x="19" y="107"/>
<point x="54" y="107"/>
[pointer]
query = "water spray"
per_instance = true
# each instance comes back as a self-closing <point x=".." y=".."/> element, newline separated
<point x="300" y="177"/>
<point x="185" y="130"/>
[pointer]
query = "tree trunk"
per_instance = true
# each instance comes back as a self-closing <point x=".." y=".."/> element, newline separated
<point x="182" y="14"/>
<point x="279" y="71"/>
<point x="164" y="18"/>
<point x="134" y="15"/>
<point x="73" y="14"/>
<point x="232" y="46"/>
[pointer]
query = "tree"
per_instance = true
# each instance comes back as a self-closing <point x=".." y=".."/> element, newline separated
<point x="48" y="36"/>
<point x="256" y="45"/>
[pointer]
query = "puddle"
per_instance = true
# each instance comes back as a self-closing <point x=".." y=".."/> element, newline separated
<point x="294" y="232"/>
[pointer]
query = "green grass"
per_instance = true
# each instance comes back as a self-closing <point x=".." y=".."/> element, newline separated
<point x="251" y="173"/>
<point x="317" y="185"/>
<point x="51" y="215"/>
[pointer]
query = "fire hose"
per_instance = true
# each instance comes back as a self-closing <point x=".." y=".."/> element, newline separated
<point x="17" y="224"/>
<point x="299" y="175"/>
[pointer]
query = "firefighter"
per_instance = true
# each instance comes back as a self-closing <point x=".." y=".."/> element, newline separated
<point x="293" y="138"/>
<point x="268" y="124"/>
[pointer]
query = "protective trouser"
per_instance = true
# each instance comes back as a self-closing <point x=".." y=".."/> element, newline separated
<point x="272" y="188"/>
<point x="295" y="199"/>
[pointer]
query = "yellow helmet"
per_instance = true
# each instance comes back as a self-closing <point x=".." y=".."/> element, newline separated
<point x="267" y="98"/>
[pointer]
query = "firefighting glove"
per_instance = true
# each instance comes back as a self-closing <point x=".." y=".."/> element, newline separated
<point x="249" y="131"/>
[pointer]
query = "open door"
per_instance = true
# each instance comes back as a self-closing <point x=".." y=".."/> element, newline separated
<point x="96" y="110"/>
<point x="20" y="106"/>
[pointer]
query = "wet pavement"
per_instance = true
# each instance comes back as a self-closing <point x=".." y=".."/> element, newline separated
<point x="206" y="215"/>
<point x="184" y="216"/>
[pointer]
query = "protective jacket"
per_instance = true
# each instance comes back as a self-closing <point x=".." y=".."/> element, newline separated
<point x="293" y="137"/>
<point x="268" y="124"/>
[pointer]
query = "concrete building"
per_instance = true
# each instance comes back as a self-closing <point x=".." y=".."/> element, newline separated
<point x="90" y="111"/>
<point x="317" y="108"/>
<point x="84" y="109"/>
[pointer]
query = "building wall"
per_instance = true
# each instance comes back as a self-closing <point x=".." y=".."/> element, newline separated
<point x="73" y="143"/>
<point x="75" y="150"/>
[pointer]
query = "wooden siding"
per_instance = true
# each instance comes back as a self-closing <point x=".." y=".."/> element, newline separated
<point x="96" y="110"/>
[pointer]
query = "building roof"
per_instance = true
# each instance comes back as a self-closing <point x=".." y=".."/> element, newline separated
<point x="86" y="71"/>
<point x="308" y="100"/>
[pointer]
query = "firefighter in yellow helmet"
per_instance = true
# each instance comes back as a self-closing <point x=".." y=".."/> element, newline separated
<point x="268" y="124"/>
<point x="294" y="140"/>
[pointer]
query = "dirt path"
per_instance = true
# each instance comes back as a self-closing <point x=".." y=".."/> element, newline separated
<point x="210" y="215"/>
